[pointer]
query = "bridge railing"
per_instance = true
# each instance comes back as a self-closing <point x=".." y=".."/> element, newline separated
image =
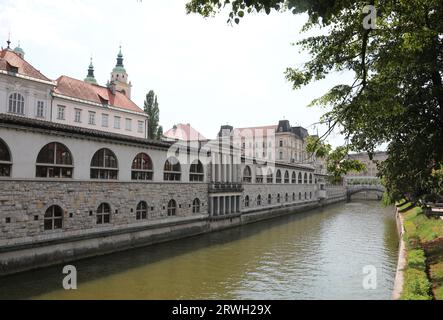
<point x="362" y="181"/>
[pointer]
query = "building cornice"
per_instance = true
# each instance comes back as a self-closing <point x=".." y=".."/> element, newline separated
<point x="101" y="106"/>
<point x="21" y="76"/>
<point x="17" y="122"/>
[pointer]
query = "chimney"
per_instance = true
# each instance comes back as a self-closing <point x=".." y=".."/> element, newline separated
<point x="225" y="130"/>
<point x="111" y="86"/>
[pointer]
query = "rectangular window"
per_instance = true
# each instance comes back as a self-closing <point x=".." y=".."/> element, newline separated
<point x="61" y="113"/>
<point x="91" y="118"/>
<point x="140" y="126"/>
<point x="117" y="122"/>
<point x="105" y="120"/>
<point x="40" y="109"/>
<point x="128" y="124"/>
<point x="78" y="115"/>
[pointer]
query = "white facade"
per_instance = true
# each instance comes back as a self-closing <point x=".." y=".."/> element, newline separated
<point x="42" y="100"/>
<point x="34" y="92"/>
<point x="78" y="113"/>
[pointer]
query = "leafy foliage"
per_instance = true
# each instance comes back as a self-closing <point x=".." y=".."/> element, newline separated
<point x="416" y="259"/>
<point x="417" y="285"/>
<point x="151" y="109"/>
<point x="337" y="162"/>
<point x="397" y="93"/>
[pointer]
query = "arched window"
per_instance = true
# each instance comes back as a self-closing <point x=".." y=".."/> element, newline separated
<point x="259" y="175"/>
<point x="172" y="170"/>
<point x="172" y="208"/>
<point x="104" y="165"/>
<point x="278" y="177"/>
<point x="247" y="201"/>
<point x="54" y="161"/>
<point x="53" y="218"/>
<point x="5" y="160"/>
<point x="259" y="200"/>
<point x="16" y="103"/>
<point x="247" y="176"/>
<point x="286" y="197"/>
<point x="196" y="206"/>
<point x="294" y="178"/>
<point x="278" y="198"/>
<point x="196" y="171"/>
<point x="286" y="176"/>
<point x="310" y="178"/>
<point x="269" y="177"/>
<point x="293" y="196"/>
<point x="141" y="211"/>
<point x="300" y="179"/>
<point x="103" y="213"/>
<point x="142" y="167"/>
<point x="310" y="195"/>
<point x="299" y="196"/>
<point x="306" y="195"/>
<point x="305" y="179"/>
<point x="269" y="199"/>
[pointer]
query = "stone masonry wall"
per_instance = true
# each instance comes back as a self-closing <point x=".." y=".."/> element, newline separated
<point x="23" y="205"/>
<point x="253" y="190"/>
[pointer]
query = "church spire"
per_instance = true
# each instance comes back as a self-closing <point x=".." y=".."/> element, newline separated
<point x="90" y="77"/>
<point x="9" y="40"/>
<point x="120" y="58"/>
<point x="119" y="65"/>
<point x="119" y="76"/>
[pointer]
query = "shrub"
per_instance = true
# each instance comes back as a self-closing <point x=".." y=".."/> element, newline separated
<point x="439" y="293"/>
<point x="416" y="286"/>
<point x="417" y="259"/>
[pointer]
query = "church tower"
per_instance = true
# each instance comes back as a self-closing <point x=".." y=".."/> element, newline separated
<point x="90" y="77"/>
<point x="119" y="77"/>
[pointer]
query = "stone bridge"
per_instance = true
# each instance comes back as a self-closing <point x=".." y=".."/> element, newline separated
<point x="356" y="188"/>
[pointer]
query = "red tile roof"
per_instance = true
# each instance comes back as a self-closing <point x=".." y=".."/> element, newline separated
<point x="10" y="59"/>
<point x="184" y="132"/>
<point x="78" y="89"/>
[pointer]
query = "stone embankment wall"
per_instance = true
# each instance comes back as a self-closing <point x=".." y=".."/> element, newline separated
<point x="24" y="244"/>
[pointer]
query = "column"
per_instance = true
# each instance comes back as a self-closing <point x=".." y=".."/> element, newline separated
<point x="215" y="205"/>
<point x="228" y="205"/>
<point x="232" y="169"/>
<point x="219" y="168"/>
<point x="221" y="209"/>
<point x="212" y="167"/>
<point x="228" y="171"/>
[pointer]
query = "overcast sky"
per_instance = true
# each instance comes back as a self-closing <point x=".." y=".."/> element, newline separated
<point x="204" y="71"/>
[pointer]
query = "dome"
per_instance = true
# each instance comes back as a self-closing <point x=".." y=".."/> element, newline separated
<point x="119" y="69"/>
<point x="19" y="51"/>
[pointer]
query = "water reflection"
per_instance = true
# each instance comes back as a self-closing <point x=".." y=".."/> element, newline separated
<point x="318" y="254"/>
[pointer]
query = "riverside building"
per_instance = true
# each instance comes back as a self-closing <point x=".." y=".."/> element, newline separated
<point x="78" y="177"/>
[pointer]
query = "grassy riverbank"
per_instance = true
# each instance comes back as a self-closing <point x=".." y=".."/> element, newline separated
<point x="424" y="244"/>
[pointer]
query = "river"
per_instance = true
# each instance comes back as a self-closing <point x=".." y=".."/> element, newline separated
<point x="318" y="254"/>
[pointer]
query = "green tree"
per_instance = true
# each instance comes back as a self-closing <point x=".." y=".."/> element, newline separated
<point x="338" y="163"/>
<point x="159" y="132"/>
<point x="151" y="109"/>
<point x="318" y="148"/>
<point x="396" y="96"/>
